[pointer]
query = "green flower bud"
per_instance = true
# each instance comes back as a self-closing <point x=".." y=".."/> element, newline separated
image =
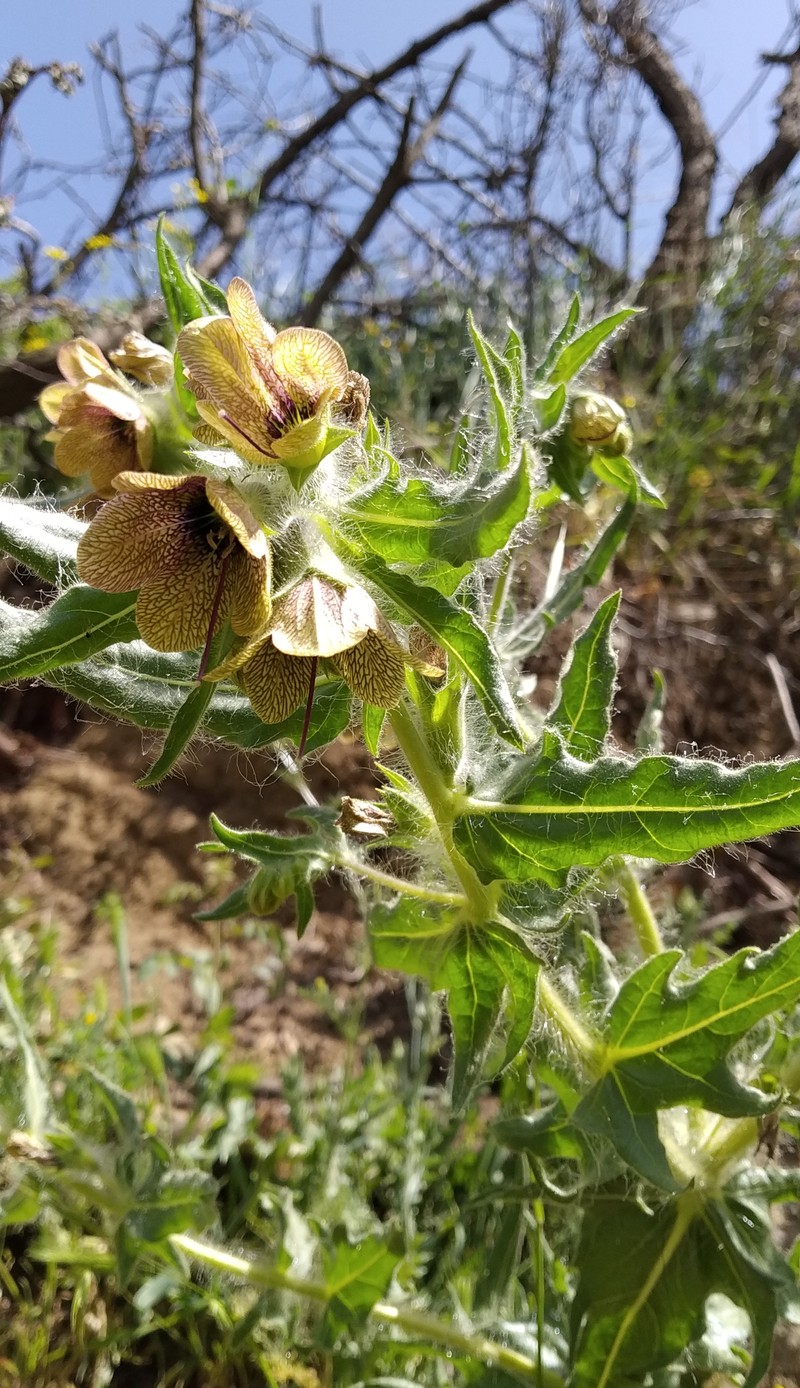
<point x="598" y="422"/>
<point x="268" y="890"/>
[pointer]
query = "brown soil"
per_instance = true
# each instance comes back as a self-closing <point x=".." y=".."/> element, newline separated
<point x="74" y="827"/>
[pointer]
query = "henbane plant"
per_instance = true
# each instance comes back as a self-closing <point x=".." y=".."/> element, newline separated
<point x="271" y="572"/>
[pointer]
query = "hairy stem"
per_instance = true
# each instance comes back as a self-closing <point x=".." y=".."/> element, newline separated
<point x="482" y="900"/>
<point x="639" y="910"/>
<point x="405" y="1318"/>
<point x="557" y="1010"/>
<point x="397" y="884"/>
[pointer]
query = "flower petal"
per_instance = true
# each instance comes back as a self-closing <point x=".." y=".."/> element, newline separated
<point x="117" y="402"/>
<point x="238" y="517"/>
<point x="374" y="670"/>
<point x="309" y="620"/>
<point x="210" y="437"/>
<point x="133" y="539"/>
<point x="225" y="434"/>
<point x="309" y="362"/>
<point x="276" y="684"/>
<point x="257" y="333"/>
<point x="173" y="611"/>
<point x="145" y="360"/>
<point x="96" y="446"/>
<point x="80" y="360"/>
<point x="215" y="358"/>
<point x="156" y="481"/>
<point x="249" y="598"/>
<point x="52" y="399"/>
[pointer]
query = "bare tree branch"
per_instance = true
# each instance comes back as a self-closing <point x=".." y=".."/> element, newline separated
<point x="235" y="226"/>
<point x="398" y="176"/>
<point x="762" y="179"/>
<point x="673" y="278"/>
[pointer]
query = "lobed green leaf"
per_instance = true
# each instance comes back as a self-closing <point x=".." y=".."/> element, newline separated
<point x="413" y="521"/>
<point x="556" y="812"/>
<point x="487" y="971"/>
<point x="667" y="1044"/>
<point x="356" y="1276"/>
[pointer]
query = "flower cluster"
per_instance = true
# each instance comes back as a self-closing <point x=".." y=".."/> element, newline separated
<point x="197" y="555"/>
<point x="101" y="423"/>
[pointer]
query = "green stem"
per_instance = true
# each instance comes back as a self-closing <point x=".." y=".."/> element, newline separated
<point x="411" y="740"/>
<point x="639" y="910"/>
<point x="558" y="1010"/>
<point x="502" y="584"/>
<point x="396" y="884"/>
<point x="415" y="1323"/>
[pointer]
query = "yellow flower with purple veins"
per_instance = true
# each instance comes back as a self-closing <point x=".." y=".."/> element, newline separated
<point x="322" y="619"/>
<point x="194" y="551"/>
<point x="271" y="396"/>
<point x="100" y="428"/>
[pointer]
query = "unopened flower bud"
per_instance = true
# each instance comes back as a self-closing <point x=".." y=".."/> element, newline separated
<point x="267" y="891"/>
<point x="363" y="819"/>
<point x="146" y="360"/>
<point x="596" y="421"/>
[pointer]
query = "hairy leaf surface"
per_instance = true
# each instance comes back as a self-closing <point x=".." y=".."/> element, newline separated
<point x="583" y="712"/>
<point x="558" y="812"/>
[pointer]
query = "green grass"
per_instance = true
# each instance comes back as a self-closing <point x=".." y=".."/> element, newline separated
<point x="116" y="1139"/>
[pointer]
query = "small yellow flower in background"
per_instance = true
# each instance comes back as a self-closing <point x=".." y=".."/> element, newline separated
<point x="56" y="253"/>
<point x="100" y="426"/>
<point x="321" y="619"/>
<point x="194" y="551"/>
<point x="101" y="242"/>
<point x="268" y="395"/>
<point x="199" y="194"/>
<point x="147" y="361"/>
<point x="596" y="421"/>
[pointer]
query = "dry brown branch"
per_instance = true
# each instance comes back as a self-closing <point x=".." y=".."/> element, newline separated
<point x="673" y="278"/>
<point x="762" y="179"/>
<point x="398" y="176"/>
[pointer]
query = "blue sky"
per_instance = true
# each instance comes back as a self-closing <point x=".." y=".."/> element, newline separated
<point x="717" y="45"/>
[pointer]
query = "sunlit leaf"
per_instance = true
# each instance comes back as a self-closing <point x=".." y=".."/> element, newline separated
<point x="569" y="594"/>
<point x="556" y="812"/>
<point x="41" y="538"/>
<point x="182" y="729"/>
<point x="184" y="295"/>
<point x="414" y="520"/>
<point x="77" y="625"/>
<point x="667" y="1043"/>
<point x="572" y="358"/>
<point x="500" y="379"/>
<point x="356" y="1276"/>
<point x="485" y="970"/>
<point x="560" y="341"/>
<point x="583" y="713"/>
